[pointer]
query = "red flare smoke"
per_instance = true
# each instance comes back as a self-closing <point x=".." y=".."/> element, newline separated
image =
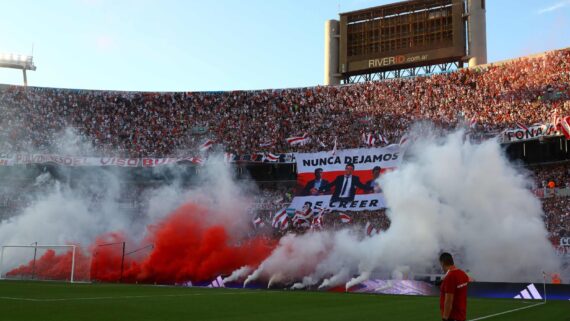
<point x="50" y="266"/>
<point x="185" y="248"/>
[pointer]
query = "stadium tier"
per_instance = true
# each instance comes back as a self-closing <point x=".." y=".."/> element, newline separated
<point x="492" y="98"/>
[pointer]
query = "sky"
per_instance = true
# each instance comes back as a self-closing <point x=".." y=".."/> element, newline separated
<point x="191" y="45"/>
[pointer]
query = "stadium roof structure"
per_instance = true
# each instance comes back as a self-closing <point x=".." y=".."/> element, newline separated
<point x="16" y="61"/>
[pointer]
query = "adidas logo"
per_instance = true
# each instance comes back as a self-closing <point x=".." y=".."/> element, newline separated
<point x="530" y="293"/>
<point x="217" y="283"/>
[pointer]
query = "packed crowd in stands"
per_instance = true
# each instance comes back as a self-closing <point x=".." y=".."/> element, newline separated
<point x="557" y="176"/>
<point x="557" y="216"/>
<point x="137" y="124"/>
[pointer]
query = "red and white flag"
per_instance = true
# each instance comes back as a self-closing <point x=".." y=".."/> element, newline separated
<point x="317" y="222"/>
<point x="334" y="147"/>
<point x="344" y="218"/>
<point x="368" y="139"/>
<point x="521" y="126"/>
<point x="267" y="143"/>
<point x="271" y="157"/>
<point x="281" y="220"/>
<point x="258" y="222"/>
<point x="206" y="145"/>
<point x="298" y="140"/>
<point x="370" y="229"/>
<point x="555" y="118"/>
<point x="382" y="139"/>
<point x="301" y="222"/>
<point x="565" y="127"/>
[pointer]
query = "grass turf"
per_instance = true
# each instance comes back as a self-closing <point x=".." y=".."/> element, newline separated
<point x="46" y="301"/>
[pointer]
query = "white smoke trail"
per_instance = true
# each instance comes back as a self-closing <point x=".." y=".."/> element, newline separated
<point x="278" y="277"/>
<point x="295" y="256"/>
<point x="253" y="276"/>
<point x="340" y="278"/>
<point x="307" y="281"/>
<point x="238" y="274"/>
<point x="357" y="280"/>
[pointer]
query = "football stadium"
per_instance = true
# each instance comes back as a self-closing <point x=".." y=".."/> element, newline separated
<point x="421" y="179"/>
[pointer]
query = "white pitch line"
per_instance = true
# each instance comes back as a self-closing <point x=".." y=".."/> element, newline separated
<point x="501" y="313"/>
<point x="120" y="297"/>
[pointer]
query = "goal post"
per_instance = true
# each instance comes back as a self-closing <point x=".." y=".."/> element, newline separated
<point x="71" y="248"/>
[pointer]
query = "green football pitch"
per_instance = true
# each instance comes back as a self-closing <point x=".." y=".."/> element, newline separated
<point x="45" y="301"/>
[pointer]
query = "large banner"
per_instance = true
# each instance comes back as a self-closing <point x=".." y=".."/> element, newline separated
<point x="324" y="182"/>
<point x="24" y="159"/>
<point x="366" y="202"/>
<point x="363" y="159"/>
<point x="530" y="133"/>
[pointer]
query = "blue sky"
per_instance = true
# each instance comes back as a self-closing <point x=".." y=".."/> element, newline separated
<point x="191" y="45"/>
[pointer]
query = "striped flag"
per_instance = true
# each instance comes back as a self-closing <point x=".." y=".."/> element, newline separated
<point x="370" y="229"/>
<point x="303" y="218"/>
<point x="368" y="139"/>
<point x="555" y="118"/>
<point x="271" y="157"/>
<point x="298" y="140"/>
<point x="521" y="126"/>
<point x="317" y="223"/>
<point x="334" y="147"/>
<point x="266" y="143"/>
<point x="344" y="218"/>
<point x="382" y="139"/>
<point x="280" y="219"/>
<point x="206" y="145"/>
<point x="565" y="127"/>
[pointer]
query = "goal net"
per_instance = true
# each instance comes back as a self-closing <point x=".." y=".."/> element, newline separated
<point x="39" y="262"/>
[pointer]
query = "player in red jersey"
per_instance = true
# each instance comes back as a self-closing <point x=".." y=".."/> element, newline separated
<point x="453" y="298"/>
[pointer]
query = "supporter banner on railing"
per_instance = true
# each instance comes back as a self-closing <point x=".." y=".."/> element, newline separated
<point x="332" y="168"/>
<point x="23" y="159"/>
<point x="529" y="133"/>
<point x="365" y="202"/>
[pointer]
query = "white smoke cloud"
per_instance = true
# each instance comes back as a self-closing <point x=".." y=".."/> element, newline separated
<point x="449" y="195"/>
<point x="76" y="205"/>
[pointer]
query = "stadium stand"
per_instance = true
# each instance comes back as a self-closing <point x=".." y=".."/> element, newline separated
<point x="138" y="124"/>
<point x="147" y="124"/>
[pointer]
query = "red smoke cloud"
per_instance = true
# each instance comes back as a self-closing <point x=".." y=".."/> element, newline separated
<point x="185" y="248"/>
<point x="52" y="266"/>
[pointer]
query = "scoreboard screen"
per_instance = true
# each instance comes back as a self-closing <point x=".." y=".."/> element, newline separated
<point x="402" y="35"/>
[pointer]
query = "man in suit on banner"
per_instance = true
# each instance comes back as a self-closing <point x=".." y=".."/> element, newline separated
<point x="373" y="183"/>
<point x="345" y="186"/>
<point x="316" y="186"/>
